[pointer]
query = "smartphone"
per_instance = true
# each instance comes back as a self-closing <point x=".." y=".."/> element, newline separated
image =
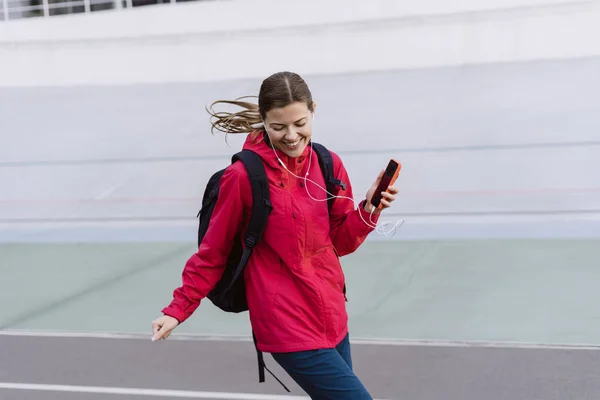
<point x="389" y="177"/>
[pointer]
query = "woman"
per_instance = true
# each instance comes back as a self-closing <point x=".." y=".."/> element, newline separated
<point x="294" y="280"/>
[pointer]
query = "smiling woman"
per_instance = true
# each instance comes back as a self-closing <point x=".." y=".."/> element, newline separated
<point x="290" y="128"/>
<point x="285" y="110"/>
<point x="293" y="281"/>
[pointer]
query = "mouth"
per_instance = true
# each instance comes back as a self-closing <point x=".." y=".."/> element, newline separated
<point x="292" y="145"/>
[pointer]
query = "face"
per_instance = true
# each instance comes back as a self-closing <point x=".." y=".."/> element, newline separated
<point x="290" y="128"/>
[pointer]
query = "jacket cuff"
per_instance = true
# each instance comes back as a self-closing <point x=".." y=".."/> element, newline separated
<point x="367" y="215"/>
<point x="172" y="312"/>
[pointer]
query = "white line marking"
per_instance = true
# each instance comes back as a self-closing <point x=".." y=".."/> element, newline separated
<point x="356" y="341"/>
<point x="475" y="343"/>
<point x="146" y="392"/>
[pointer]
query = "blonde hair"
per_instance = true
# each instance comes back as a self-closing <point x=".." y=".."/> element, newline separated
<point x="278" y="90"/>
<point x="247" y="120"/>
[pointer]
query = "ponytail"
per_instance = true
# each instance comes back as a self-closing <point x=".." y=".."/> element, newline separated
<point x="247" y="120"/>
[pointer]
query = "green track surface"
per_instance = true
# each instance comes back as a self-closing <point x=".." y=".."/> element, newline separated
<point x="541" y="291"/>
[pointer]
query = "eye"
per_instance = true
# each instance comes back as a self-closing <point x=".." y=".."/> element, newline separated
<point x="301" y="124"/>
<point x="278" y="129"/>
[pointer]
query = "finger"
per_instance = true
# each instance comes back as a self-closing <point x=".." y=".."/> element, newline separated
<point x="388" y="196"/>
<point x="385" y="203"/>
<point x="168" y="331"/>
<point x="155" y="327"/>
<point x="159" y="335"/>
<point x="393" y="190"/>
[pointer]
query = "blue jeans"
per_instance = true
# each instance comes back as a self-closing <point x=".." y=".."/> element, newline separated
<point x="324" y="374"/>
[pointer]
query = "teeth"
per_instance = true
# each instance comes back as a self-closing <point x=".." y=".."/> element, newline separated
<point x="294" y="144"/>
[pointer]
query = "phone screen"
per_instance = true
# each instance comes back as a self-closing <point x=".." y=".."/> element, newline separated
<point x="385" y="182"/>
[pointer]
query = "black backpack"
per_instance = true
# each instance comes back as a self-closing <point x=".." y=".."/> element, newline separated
<point x="230" y="292"/>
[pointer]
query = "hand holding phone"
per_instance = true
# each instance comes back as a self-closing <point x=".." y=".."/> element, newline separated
<point x="388" y="179"/>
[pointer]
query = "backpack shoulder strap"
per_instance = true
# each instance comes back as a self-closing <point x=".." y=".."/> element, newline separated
<point x="261" y="208"/>
<point x="261" y="200"/>
<point x="326" y="164"/>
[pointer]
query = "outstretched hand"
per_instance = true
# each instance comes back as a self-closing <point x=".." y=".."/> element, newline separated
<point x="163" y="326"/>
<point x="387" y="196"/>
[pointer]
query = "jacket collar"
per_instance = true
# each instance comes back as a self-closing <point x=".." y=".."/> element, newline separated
<point x="260" y="144"/>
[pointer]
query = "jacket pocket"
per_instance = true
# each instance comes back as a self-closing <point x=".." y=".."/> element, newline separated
<point x="342" y="272"/>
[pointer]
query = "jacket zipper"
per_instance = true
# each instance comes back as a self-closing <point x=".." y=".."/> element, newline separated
<point x="303" y="251"/>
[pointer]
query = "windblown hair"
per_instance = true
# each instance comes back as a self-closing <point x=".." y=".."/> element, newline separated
<point x="278" y="90"/>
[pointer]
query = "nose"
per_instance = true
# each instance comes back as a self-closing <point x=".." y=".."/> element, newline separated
<point x="291" y="135"/>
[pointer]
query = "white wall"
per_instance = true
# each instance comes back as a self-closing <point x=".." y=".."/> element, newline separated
<point x="209" y="41"/>
<point x="506" y="150"/>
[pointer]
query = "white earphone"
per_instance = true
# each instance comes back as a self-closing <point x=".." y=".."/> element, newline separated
<point x="378" y="227"/>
